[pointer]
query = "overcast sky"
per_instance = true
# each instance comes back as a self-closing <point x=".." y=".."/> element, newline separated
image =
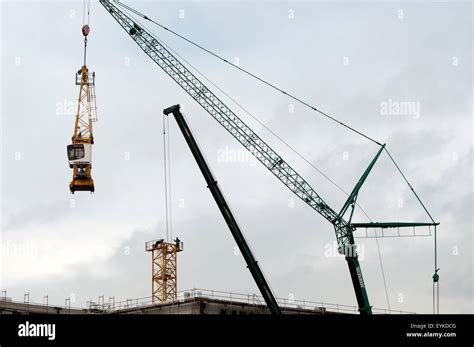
<point x="358" y="61"/>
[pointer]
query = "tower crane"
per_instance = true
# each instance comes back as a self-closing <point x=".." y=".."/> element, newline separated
<point x="80" y="151"/>
<point x="344" y="229"/>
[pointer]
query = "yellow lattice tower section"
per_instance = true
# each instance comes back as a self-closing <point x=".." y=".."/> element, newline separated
<point x="164" y="269"/>
<point x="80" y="152"/>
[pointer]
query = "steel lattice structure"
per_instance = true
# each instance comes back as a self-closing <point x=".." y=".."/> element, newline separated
<point x="260" y="149"/>
<point x="164" y="269"/>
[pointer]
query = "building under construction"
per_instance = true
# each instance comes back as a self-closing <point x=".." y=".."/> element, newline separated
<point x="192" y="301"/>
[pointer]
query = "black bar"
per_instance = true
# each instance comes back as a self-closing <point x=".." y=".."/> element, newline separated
<point x="222" y="330"/>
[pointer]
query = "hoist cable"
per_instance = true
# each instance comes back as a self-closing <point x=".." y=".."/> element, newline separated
<point x="409" y="185"/>
<point x="169" y="179"/>
<point x="165" y="164"/>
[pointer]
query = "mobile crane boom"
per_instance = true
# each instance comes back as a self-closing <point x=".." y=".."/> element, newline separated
<point x="248" y="138"/>
<point x="260" y="149"/>
<point x="221" y="202"/>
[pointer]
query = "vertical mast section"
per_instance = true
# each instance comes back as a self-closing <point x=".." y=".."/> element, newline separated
<point x="80" y="152"/>
<point x="164" y="269"/>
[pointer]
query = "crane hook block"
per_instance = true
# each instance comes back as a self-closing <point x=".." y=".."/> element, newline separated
<point x="85" y="30"/>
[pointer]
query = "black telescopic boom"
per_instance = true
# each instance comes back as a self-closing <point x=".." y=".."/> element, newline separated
<point x="252" y="264"/>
